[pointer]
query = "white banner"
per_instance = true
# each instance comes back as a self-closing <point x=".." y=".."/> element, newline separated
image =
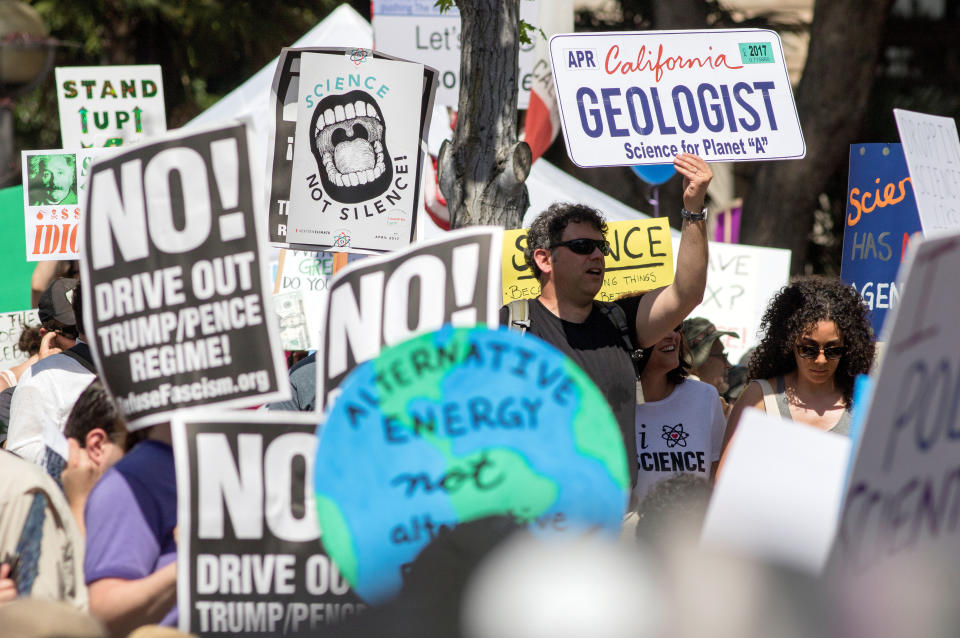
<point x="11" y="325"/>
<point x="417" y="30"/>
<point x="641" y="98"/>
<point x="109" y="105"/>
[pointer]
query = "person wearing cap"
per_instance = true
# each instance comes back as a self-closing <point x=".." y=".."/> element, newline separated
<point x="47" y="391"/>
<point x="707" y="358"/>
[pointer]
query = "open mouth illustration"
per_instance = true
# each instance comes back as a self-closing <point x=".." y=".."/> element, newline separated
<point x="348" y="141"/>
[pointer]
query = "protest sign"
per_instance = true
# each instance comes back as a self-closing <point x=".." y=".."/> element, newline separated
<point x="382" y="301"/>
<point x="932" y="149"/>
<point x="779" y="493"/>
<point x="346" y="155"/>
<point x="418" y="30"/>
<point x="15" y="284"/>
<point x="11" y="325"/>
<point x="881" y="217"/>
<point x="741" y="280"/>
<point x="174" y="291"/>
<point x="641" y="258"/>
<point x="53" y="201"/>
<point x="641" y="98"/>
<point x="453" y="426"/>
<point x="250" y="560"/>
<point x="109" y="105"/>
<point x="299" y="293"/>
<point x="901" y="496"/>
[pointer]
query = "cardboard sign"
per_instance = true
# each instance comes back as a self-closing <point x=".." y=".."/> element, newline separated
<point x="11" y="325"/>
<point x="53" y="201"/>
<point x="383" y="301"/>
<point x="457" y="425"/>
<point x="299" y="295"/>
<point x="779" y="493"/>
<point x="901" y="496"/>
<point x="418" y="30"/>
<point x="641" y="98"/>
<point x="109" y="105"/>
<point x="741" y="280"/>
<point x="881" y="217"/>
<point x="249" y="557"/>
<point x="932" y="149"/>
<point x="641" y="258"/>
<point x="357" y="151"/>
<point x="175" y="296"/>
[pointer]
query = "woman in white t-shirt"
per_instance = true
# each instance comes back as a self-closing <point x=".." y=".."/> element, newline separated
<point x="680" y="424"/>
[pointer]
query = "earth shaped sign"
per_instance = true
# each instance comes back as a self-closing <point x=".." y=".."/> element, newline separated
<point x="453" y="426"/>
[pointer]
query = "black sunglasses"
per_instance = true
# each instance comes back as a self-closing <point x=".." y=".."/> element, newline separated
<point x="585" y="246"/>
<point x="808" y="351"/>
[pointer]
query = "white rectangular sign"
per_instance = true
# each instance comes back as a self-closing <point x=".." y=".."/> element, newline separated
<point x="641" y="98"/>
<point x="417" y="30"/>
<point x="356" y="152"/>
<point x="779" y="493"/>
<point x="932" y="149"/>
<point x="109" y="105"/>
<point x="11" y="326"/>
<point x="53" y="200"/>
<point x="902" y="494"/>
<point x="741" y="280"/>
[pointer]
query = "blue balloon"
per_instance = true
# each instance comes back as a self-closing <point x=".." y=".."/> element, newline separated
<point x="654" y="173"/>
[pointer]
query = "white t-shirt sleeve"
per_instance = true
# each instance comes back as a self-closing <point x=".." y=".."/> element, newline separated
<point x="25" y="435"/>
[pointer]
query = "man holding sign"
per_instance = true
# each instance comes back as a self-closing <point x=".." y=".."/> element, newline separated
<point x="565" y="250"/>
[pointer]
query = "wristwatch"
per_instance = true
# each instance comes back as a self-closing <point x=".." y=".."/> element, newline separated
<point x="694" y="217"/>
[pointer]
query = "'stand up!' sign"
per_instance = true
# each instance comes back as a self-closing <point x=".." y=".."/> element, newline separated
<point x="641" y="98"/>
<point x="109" y="105"/>
<point x="174" y="293"/>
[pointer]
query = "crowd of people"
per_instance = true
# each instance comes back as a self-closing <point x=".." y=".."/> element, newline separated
<point x="88" y="512"/>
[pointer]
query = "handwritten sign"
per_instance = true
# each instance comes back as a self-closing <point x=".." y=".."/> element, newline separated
<point x="176" y="301"/>
<point x="901" y="496"/>
<point x="641" y="98"/>
<point x="741" y="280"/>
<point x="109" y="105"/>
<point x="11" y="326"/>
<point x="641" y="258"/>
<point x="418" y="30"/>
<point x="249" y="547"/>
<point x="53" y="201"/>
<point x="456" y="425"/>
<point x="383" y="301"/>
<point x="932" y="149"/>
<point x="880" y="219"/>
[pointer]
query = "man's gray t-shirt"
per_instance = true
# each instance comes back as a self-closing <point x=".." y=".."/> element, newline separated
<point x="597" y="346"/>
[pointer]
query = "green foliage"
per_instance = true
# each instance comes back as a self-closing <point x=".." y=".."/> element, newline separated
<point x="525" y="28"/>
<point x="205" y="47"/>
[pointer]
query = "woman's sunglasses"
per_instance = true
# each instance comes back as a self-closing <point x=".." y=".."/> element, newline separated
<point x="808" y="351"/>
<point x="585" y="246"/>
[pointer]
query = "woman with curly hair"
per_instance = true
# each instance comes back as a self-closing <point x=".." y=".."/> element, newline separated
<point x="817" y="339"/>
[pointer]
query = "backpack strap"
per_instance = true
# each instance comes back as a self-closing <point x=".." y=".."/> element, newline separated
<point x="618" y="318"/>
<point x="518" y="315"/>
<point x="81" y="354"/>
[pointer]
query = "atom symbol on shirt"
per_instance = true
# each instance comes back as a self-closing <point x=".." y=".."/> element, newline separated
<point x="675" y="435"/>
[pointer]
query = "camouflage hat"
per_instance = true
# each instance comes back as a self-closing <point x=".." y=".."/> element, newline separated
<point x="700" y="334"/>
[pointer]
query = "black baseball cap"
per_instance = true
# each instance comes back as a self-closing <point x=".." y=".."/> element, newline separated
<point x="56" y="303"/>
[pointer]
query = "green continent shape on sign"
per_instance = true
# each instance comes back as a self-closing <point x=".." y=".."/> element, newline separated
<point x="603" y="444"/>
<point x="336" y="537"/>
<point x="519" y="488"/>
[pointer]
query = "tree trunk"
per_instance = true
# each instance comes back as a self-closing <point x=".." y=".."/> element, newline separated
<point x="680" y="14"/>
<point x="831" y="100"/>
<point x="483" y="169"/>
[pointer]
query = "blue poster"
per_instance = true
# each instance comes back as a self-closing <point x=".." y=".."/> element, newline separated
<point x="881" y="216"/>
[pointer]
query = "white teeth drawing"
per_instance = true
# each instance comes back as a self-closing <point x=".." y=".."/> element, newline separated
<point x="349" y="146"/>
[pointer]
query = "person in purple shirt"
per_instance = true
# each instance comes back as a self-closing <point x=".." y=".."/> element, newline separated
<point x="131" y="551"/>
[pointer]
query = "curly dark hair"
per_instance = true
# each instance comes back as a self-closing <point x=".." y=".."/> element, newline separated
<point x="795" y="310"/>
<point x="547" y="229"/>
<point x="29" y="342"/>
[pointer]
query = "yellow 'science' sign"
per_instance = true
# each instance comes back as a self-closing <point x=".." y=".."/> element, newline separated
<point x="640" y="259"/>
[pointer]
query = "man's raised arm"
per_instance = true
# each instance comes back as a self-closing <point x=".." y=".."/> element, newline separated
<point x="663" y="309"/>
